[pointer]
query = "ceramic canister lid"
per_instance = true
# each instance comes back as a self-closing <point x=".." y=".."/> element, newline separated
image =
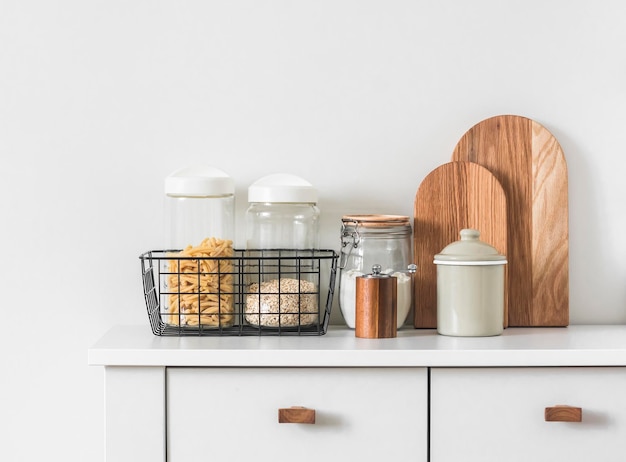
<point x="469" y="251"/>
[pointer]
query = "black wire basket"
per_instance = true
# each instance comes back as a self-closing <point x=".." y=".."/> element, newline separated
<point x="253" y="292"/>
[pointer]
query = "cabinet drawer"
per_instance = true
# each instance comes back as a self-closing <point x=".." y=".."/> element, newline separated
<point x="499" y="414"/>
<point x="360" y="413"/>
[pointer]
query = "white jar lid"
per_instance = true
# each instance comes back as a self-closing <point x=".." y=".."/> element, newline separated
<point x="282" y="187"/>
<point x="469" y="251"/>
<point x="199" y="181"/>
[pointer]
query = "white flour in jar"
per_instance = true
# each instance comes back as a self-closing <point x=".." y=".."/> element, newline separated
<point x="404" y="296"/>
<point x="347" y="295"/>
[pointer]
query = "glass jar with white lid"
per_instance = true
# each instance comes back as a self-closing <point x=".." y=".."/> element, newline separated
<point x="199" y="203"/>
<point x="282" y="235"/>
<point x="282" y="213"/>
<point x="197" y="283"/>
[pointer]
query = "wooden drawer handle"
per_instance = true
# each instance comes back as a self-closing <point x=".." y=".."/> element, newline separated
<point x="296" y="414"/>
<point x="562" y="413"/>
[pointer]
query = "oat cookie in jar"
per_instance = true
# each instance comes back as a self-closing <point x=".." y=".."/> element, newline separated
<point x="368" y="240"/>
<point x="199" y="226"/>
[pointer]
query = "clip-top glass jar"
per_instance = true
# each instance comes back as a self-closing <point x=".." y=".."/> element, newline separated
<point x="368" y="240"/>
<point x="200" y="222"/>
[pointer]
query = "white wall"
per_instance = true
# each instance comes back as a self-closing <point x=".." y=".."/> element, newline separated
<point x="100" y="100"/>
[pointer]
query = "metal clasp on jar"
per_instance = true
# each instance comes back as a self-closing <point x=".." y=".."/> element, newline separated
<point x="351" y="239"/>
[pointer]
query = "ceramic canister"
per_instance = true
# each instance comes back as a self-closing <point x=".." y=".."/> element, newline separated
<point x="470" y="288"/>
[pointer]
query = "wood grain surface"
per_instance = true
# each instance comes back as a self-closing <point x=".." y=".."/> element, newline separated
<point x="452" y="197"/>
<point x="376" y="307"/>
<point x="563" y="413"/>
<point x="530" y="164"/>
<point x="296" y="414"/>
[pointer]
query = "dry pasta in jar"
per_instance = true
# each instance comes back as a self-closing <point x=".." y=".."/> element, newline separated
<point x="199" y="285"/>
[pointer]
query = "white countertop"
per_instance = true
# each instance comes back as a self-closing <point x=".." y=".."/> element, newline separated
<point x="559" y="346"/>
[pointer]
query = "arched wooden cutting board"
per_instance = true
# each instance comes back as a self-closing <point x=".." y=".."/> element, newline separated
<point x="530" y="164"/>
<point x="454" y="196"/>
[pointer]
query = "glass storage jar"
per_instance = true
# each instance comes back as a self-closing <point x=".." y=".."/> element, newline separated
<point x="199" y="203"/>
<point x="282" y="213"/>
<point x="282" y="228"/>
<point x="200" y="222"/>
<point x="368" y="240"/>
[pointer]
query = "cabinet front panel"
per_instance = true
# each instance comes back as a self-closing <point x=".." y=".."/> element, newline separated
<point x="500" y="414"/>
<point x="360" y="414"/>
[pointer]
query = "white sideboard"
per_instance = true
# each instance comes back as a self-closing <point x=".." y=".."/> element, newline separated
<point x="420" y="396"/>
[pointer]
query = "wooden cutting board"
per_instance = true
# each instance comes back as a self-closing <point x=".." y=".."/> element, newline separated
<point x="530" y="164"/>
<point x="454" y="196"/>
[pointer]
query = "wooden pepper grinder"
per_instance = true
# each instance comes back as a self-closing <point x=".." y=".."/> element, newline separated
<point x="376" y="305"/>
